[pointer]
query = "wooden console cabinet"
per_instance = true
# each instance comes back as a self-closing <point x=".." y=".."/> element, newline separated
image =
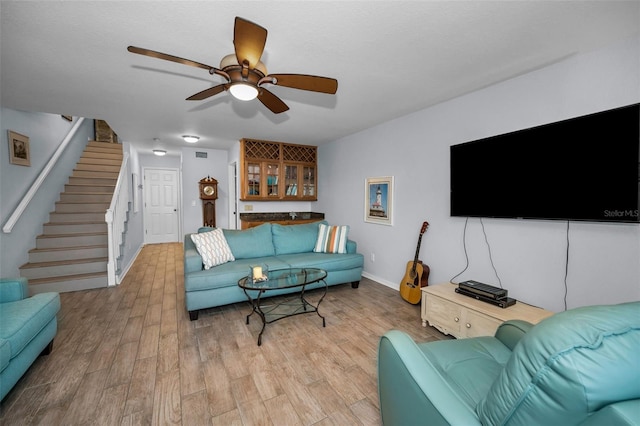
<point x="462" y="316"/>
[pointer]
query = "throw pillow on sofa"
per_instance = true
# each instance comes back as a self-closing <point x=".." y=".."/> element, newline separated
<point x="332" y="239"/>
<point x="213" y="248"/>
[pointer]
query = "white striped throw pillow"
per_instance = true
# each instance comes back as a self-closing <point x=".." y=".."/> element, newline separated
<point x="332" y="239"/>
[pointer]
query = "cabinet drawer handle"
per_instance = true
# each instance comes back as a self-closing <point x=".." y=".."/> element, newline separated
<point x="456" y="319"/>
<point x="468" y="325"/>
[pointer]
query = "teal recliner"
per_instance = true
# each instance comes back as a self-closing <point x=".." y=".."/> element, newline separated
<point x="27" y="328"/>
<point x="579" y="367"/>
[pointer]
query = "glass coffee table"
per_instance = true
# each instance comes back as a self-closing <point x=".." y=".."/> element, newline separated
<point x="281" y="279"/>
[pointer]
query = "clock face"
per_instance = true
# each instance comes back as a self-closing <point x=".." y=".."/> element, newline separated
<point x="208" y="190"/>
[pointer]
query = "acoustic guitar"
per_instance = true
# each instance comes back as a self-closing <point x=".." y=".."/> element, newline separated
<point x="416" y="276"/>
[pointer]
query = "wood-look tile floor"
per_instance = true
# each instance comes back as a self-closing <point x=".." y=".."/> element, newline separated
<point x="129" y="355"/>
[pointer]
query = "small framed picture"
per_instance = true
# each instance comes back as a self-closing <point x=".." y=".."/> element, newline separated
<point x="378" y="204"/>
<point x="19" y="149"/>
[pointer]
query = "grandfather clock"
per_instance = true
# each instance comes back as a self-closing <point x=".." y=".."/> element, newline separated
<point x="208" y="195"/>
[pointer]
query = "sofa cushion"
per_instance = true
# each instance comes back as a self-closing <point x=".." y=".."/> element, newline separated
<point x="295" y="238"/>
<point x="227" y="275"/>
<point x="327" y="261"/>
<point x="572" y="364"/>
<point x="469" y="366"/>
<point x="22" y="320"/>
<point x="250" y="243"/>
<point x="213" y="248"/>
<point x="332" y="239"/>
<point x="5" y="353"/>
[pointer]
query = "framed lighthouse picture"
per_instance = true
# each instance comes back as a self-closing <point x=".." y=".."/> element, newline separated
<point x="378" y="200"/>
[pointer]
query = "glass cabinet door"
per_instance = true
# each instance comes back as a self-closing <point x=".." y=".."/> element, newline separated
<point x="291" y="180"/>
<point x="253" y="179"/>
<point x="309" y="181"/>
<point x="272" y="179"/>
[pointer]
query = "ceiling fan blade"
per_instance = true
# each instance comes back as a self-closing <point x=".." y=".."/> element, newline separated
<point x="271" y="101"/>
<point x="207" y="93"/>
<point x="307" y="82"/>
<point x="249" y="40"/>
<point x="167" y="57"/>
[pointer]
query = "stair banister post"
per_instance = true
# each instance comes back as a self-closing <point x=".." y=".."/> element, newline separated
<point x="110" y="216"/>
<point x="111" y="263"/>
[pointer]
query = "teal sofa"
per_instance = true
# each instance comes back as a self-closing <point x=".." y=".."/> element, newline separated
<point x="27" y="328"/>
<point x="279" y="247"/>
<point x="578" y="367"/>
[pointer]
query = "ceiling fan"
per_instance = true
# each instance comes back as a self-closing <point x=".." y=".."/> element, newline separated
<point x="245" y="74"/>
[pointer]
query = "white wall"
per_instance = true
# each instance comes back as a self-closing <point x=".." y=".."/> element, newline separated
<point x="604" y="259"/>
<point x="193" y="170"/>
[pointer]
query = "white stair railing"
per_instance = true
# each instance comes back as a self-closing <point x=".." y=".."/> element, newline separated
<point x="116" y="217"/>
<point x="22" y="206"/>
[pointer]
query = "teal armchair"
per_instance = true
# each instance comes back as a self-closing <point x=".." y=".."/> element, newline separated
<point x="579" y="367"/>
<point x="27" y="328"/>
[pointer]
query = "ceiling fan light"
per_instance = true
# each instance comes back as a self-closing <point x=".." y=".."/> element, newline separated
<point x="231" y="60"/>
<point x="159" y="152"/>
<point x="243" y="91"/>
<point x="190" y="138"/>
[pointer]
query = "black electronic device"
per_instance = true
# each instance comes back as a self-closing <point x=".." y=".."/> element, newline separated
<point x="584" y="168"/>
<point x="484" y="290"/>
<point x="503" y="303"/>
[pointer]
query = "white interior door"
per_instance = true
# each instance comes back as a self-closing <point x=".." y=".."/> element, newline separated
<point x="161" y="206"/>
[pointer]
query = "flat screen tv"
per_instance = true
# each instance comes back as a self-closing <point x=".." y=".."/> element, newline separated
<point x="584" y="168"/>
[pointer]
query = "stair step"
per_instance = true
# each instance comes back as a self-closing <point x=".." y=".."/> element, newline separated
<point x="57" y="228"/>
<point x="91" y="149"/>
<point x="68" y="283"/>
<point x="67" y="217"/>
<point x="62" y="268"/>
<point x="98" y="167"/>
<point x="89" y="188"/>
<point x="102" y="154"/>
<point x="92" y="180"/>
<point x="67" y="253"/>
<point x="81" y="207"/>
<point x="105" y="145"/>
<point x="105" y="161"/>
<point x="71" y="240"/>
<point x="87" y="197"/>
<point x="95" y="174"/>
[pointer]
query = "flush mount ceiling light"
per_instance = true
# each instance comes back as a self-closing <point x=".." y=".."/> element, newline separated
<point x="157" y="148"/>
<point x="243" y="91"/>
<point x="190" y="139"/>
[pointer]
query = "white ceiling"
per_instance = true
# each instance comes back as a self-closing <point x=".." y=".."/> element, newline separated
<point x="390" y="58"/>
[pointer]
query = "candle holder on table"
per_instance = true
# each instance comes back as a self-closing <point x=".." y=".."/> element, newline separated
<point x="258" y="273"/>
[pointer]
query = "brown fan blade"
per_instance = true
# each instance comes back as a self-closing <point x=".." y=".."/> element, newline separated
<point x="271" y="101"/>
<point x="249" y="40"/>
<point x="307" y="82"/>
<point x="207" y="93"/>
<point x="167" y="57"/>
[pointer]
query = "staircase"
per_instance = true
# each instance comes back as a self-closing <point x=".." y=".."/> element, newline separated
<point x="72" y="252"/>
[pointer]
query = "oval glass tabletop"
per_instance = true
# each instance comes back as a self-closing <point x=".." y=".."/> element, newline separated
<point x="284" y="278"/>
